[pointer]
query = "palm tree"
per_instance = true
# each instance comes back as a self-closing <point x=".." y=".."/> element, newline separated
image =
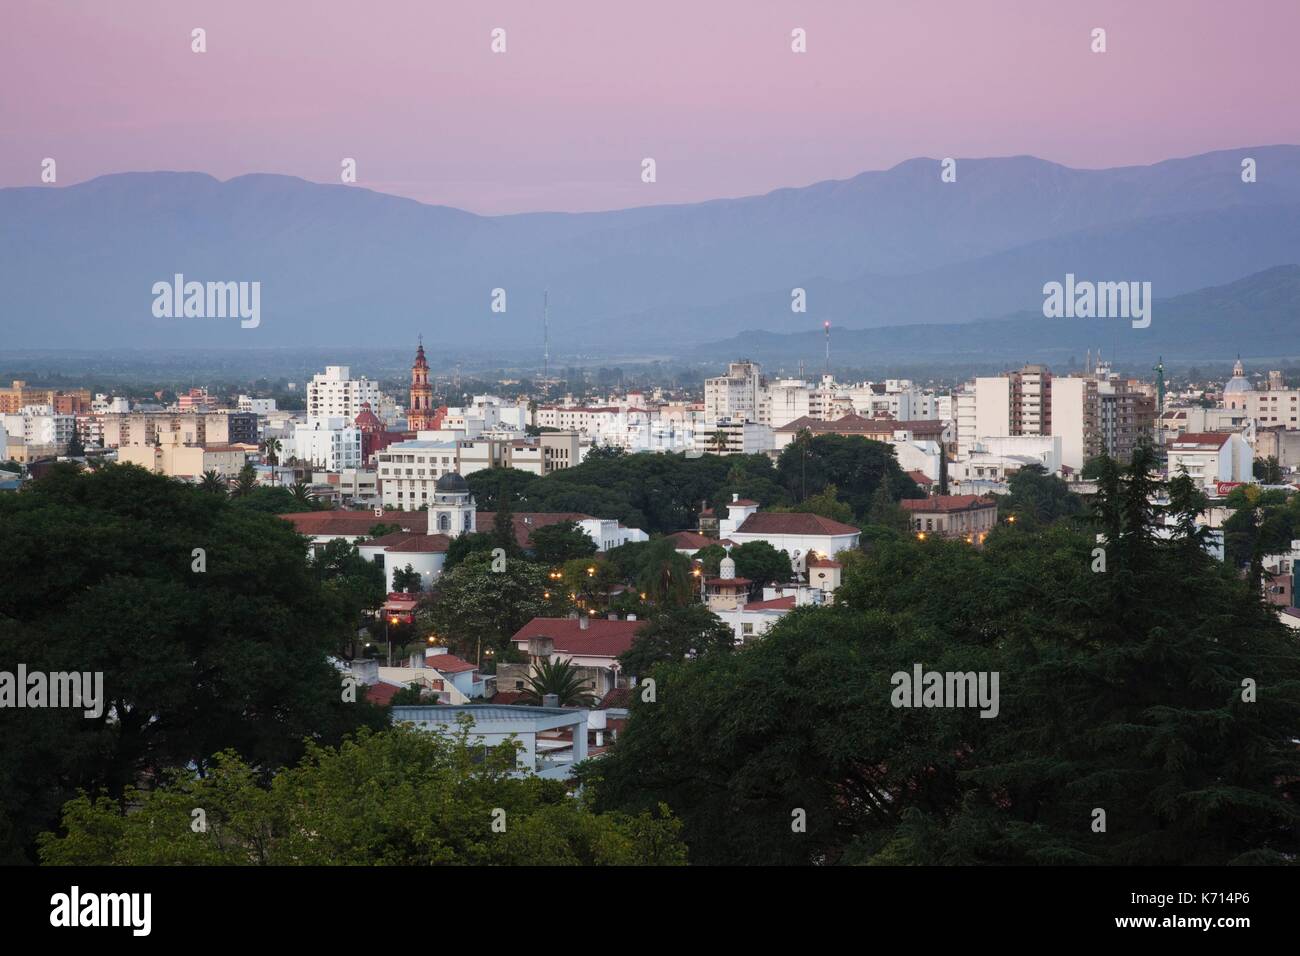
<point x="271" y="448"/>
<point x="245" y="483"/>
<point x="301" y="493"/>
<point x="558" y="677"/>
<point x="719" y="440"/>
<point x="212" y="481"/>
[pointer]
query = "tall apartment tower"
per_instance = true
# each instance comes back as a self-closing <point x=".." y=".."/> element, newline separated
<point x="419" y="415"/>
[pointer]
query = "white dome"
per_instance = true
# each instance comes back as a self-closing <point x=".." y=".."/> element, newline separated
<point x="726" y="568"/>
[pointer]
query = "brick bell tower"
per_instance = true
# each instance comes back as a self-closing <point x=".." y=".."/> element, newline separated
<point x="419" y="414"/>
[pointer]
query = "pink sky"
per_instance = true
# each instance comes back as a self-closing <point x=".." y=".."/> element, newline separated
<point x="709" y="88"/>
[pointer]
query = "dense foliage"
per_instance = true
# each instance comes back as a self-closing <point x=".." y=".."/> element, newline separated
<point x="1138" y="677"/>
<point x="400" y="797"/>
<point x="210" y="627"/>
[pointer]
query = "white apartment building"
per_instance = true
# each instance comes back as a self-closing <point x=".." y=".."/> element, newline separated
<point x="110" y="403"/>
<point x="1211" y="457"/>
<point x="1074" y="401"/>
<point x="738" y="395"/>
<point x="1029" y="402"/>
<point x="734" y="437"/>
<point x="409" y="470"/>
<point x="37" y="431"/>
<point x="329" y="443"/>
<point x="335" y="394"/>
<point x="261" y="406"/>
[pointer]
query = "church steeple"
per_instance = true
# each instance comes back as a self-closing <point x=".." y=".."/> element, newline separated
<point x="419" y="415"/>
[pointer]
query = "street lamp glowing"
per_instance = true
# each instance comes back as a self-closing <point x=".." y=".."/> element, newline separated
<point x="920" y="536"/>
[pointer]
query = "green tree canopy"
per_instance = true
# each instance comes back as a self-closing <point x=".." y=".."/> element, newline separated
<point x="675" y="634"/>
<point x="561" y="542"/>
<point x="440" y="799"/>
<point x="761" y="563"/>
<point x="209" y="625"/>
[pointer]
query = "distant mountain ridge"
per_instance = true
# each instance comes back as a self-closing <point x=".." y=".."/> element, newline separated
<point x="1257" y="315"/>
<point x="345" y="266"/>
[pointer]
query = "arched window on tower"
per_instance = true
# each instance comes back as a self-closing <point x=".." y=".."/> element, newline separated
<point x="444" y="521"/>
<point x="467" y="519"/>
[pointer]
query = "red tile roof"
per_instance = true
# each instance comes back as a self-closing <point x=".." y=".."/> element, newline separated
<point x="690" y="540"/>
<point x="920" y="477"/>
<point x="380" y="694"/>
<point x="793" y="523"/>
<point x="508" y="697"/>
<point x="447" y="663"/>
<point x="776" y="604"/>
<point x="617" y="697"/>
<point x="405" y="542"/>
<point x="355" y="524"/>
<point x="601" y="638"/>
<point x="946" y="504"/>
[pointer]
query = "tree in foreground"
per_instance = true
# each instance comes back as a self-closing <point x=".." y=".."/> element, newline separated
<point x="1147" y="709"/>
<point x="400" y="797"/>
<point x="210" y="627"/>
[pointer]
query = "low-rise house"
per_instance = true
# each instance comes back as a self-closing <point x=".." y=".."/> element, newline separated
<point x="969" y="517"/>
<point x="592" y="644"/>
<point x="801" y="535"/>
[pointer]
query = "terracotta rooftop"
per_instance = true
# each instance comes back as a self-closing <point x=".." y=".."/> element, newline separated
<point x="447" y="663"/>
<point x="793" y="523"/>
<point x="380" y="694"/>
<point x="601" y="638"/>
<point x="405" y="542"/>
<point x="948" y="503"/>
<point x="776" y="604"/>
<point x="355" y="524"/>
<point x="616" y="697"/>
<point x="684" y="540"/>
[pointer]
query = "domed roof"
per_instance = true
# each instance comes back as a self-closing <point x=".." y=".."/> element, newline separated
<point x="451" y="483"/>
<point x="727" y="568"/>
<point x="367" y="419"/>
<point x="1238" y="382"/>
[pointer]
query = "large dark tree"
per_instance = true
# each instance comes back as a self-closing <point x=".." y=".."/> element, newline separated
<point x="209" y="625"/>
<point x="676" y="634"/>
<point x="561" y="542"/>
<point x="856" y="466"/>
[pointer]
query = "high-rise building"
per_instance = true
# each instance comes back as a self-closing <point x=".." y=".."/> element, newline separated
<point x="334" y="393"/>
<point x="737" y="396"/>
